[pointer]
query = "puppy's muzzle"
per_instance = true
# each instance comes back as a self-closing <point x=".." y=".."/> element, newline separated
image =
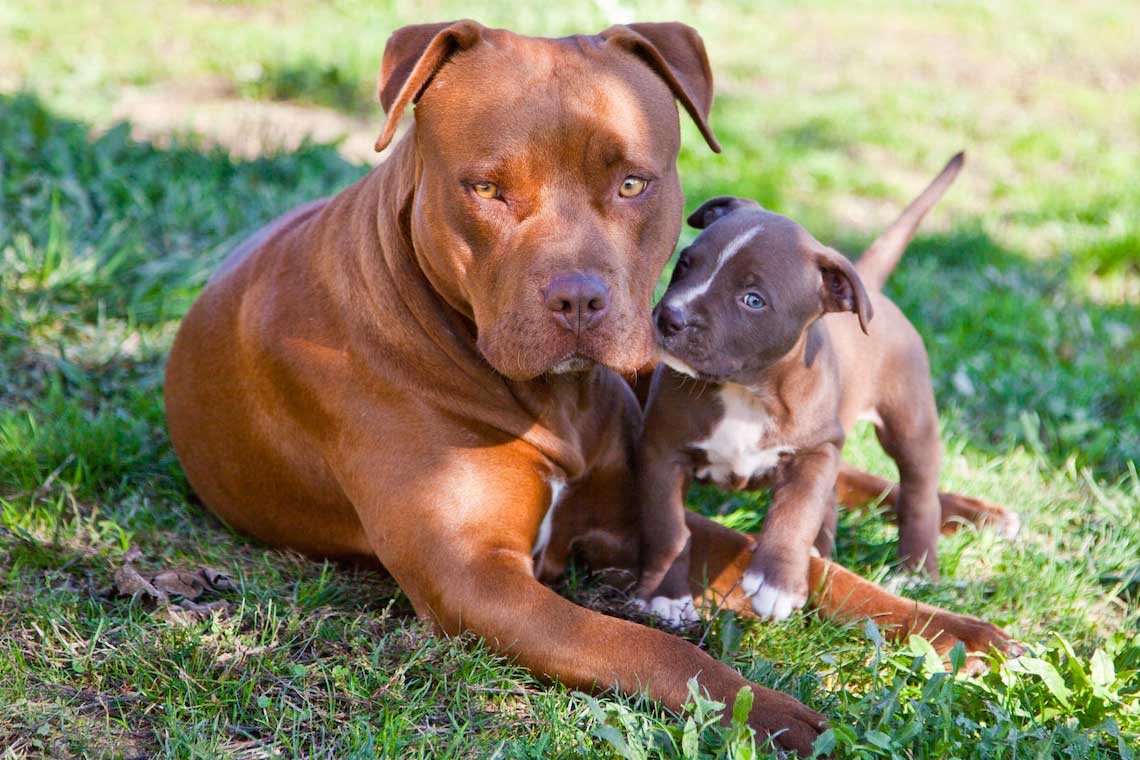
<point x="671" y="320"/>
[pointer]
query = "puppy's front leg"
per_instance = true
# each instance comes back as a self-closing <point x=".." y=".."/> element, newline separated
<point x="802" y="495"/>
<point x="663" y="583"/>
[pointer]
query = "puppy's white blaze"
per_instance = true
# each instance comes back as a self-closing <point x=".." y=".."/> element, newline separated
<point x="674" y="363"/>
<point x="686" y="297"/>
<point x="557" y="486"/>
<point x="676" y="612"/>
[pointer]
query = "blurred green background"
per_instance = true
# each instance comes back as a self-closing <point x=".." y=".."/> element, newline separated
<point x="139" y="141"/>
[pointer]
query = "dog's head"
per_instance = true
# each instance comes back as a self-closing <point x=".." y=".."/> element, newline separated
<point x="744" y="293"/>
<point x="547" y="200"/>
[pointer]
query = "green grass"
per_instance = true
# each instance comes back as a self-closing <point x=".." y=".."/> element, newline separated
<point x="1025" y="285"/>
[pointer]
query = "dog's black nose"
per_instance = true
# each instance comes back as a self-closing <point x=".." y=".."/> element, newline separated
<point x="670" y="320"/>
<point x="577" y="300"/>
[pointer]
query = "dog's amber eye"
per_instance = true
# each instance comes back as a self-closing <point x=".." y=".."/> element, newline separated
<point x="632" y="187"/>
<point x="488" y="190"/>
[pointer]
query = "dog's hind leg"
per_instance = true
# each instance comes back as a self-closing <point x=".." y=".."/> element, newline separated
<point x="857" y="488"/>
<point x="720" y="555"/>
<point x="910" y="437"/>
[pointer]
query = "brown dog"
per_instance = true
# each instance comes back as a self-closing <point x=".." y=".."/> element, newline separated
<point x="777" y="387"/>
<point x="421" y="369"/>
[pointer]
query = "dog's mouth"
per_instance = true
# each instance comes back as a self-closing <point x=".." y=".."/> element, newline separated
<point x="526" y="347"/>
<point x="573" y="363"/>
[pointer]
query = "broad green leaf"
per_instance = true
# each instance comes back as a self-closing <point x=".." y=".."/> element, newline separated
<point x="689" y="743"/>
<point x="920" y="647"/>
<point x="824" y="744"/>
<point x="614" y="738"/>
<point x="1046" y="672"/>
<point x="1103" y="671"/>
<point x="742" y="707"/>
<point x="958" y="657"/>
<point x="871" y="631"/>
<point x="878" y="739"/>
<point x="1076" y="670"/>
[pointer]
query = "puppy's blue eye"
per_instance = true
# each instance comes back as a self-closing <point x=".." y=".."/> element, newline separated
<point x="754" y="301"/>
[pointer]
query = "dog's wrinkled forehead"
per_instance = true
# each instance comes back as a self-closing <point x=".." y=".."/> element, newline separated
<point x="552" y="104"/>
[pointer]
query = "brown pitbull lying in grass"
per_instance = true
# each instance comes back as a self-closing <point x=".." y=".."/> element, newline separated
<point x="424" y="369"/>
<point x="764" y="373"/>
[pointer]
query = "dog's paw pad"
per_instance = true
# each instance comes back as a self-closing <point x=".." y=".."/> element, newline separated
<point x="674" y="612"/>
<point x="770" y="602"/>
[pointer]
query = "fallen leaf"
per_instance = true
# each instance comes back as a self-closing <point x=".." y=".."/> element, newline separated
<point x="176" y="590"/>
<point x="129" y="582"/>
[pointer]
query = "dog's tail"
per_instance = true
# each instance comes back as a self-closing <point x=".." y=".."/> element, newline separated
<point x="880" y="258"/>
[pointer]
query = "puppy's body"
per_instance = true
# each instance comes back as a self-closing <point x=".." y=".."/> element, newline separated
<point x="764" y="397"/>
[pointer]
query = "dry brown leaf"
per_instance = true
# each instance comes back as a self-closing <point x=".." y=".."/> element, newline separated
<point x="129" y="582"/>
<point x="180" y="583"/>
<point x="187" y="586"/>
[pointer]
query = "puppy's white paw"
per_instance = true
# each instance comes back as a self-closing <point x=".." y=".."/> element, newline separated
<point x="768" y="601"/>
<point x="674" y="612"/>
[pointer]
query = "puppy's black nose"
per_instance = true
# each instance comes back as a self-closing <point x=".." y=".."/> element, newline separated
<point x="577" y="300"/>
<point x="670" y="320"/>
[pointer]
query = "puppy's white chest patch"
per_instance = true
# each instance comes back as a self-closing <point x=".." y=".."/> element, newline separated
<point x="738" y="449"/>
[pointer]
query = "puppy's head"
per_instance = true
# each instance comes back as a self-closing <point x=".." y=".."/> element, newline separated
<point x="744" y="293"/>
<point x="547" y="200"/>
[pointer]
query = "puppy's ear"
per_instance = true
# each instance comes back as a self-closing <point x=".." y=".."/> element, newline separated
<point x="715" y="208"/>
<point x="677" y="54"/>
<point x="841" y="289"/>
<point x="411" y="58"/>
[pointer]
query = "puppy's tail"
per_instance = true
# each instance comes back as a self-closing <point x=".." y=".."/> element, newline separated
<point x="880" y="258"/>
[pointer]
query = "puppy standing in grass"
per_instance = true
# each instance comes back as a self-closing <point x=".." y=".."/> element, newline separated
<point x="759" y="387"/>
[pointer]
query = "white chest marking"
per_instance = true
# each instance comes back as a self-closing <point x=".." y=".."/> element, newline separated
<point x="735" y="449"/>
<point x="689" y="295"/>
<point x="557" y="486"/>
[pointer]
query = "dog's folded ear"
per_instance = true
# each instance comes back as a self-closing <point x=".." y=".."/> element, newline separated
<point x="411" y="58"/>
<point x="715" y="208"/>
<point x="842" y="290"/>
<point x="677" y="53"/>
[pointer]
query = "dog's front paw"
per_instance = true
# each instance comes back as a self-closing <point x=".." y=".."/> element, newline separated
<point x="674" y="612"/>
<point x="979" y="637"/>
<point x="791" y="725"/>
<point x="776" y="586"/>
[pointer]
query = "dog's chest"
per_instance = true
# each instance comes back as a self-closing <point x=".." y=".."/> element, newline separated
<point x="743" y="447"/>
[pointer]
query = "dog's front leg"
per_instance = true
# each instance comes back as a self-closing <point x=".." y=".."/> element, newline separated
<point x="803" y="494"/>
<point x="663" y="582"/>
<point x="460" y="546"/>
